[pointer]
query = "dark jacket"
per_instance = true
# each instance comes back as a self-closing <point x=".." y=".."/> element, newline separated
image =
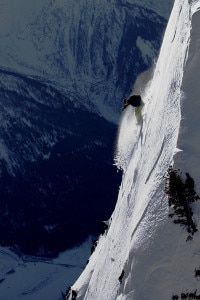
<point x="134" y="100"/>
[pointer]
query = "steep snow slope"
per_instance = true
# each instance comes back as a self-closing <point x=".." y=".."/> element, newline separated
<point x="144" y="255"/>
<point x="188" y="159"/>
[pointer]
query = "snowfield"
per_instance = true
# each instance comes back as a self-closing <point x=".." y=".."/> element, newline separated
<point x="144" y="255"/>
<point x="31" y="278"/>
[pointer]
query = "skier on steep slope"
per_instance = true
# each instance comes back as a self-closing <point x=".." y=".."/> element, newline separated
<point x="134" y="100"/>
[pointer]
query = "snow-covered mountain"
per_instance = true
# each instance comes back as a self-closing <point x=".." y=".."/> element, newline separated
<point x="50" y="149"/>
<point x="65" y="67"/>
<point x="92" y="48"/>
<point x="151" y="249"/>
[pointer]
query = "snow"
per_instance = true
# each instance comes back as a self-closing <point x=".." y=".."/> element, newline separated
<point x="128" y="136"/>
<point x="188" y="159"/>
<point x="142" y="245"/>
<point x="65" y="42"/>
<point x="30" y="278"/>
<point x="147" y="51"/>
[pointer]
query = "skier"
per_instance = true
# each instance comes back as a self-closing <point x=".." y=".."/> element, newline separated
<point x="134" y="100"/>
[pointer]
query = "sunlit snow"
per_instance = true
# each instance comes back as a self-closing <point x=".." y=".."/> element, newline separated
<point x="144" y="256"/>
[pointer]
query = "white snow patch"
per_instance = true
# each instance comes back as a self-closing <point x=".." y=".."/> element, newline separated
<point x="128" y="137"/>
<point x="147" y="50"/>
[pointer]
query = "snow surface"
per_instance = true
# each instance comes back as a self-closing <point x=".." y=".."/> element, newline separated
<point x="31" y="278"/>
<point x="147" y="51"/>
<point x="189" y="138"/>
<point x="142" y="245"/>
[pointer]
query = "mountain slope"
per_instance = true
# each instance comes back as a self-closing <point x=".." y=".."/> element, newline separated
<point x="50" y="149"/>
<point x="63" y="73"/>
<point x="144" y="255"/>
<point x="82" y="45"/>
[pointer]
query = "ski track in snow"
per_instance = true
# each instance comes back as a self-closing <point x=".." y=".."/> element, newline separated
<point x="142" y="241"/>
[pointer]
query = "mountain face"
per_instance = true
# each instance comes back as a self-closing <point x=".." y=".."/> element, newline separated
<point x="56" y="162"/>
<point x="151" y="247"/>
<point x="65" y="66"/>
<point x="94" y="49"/>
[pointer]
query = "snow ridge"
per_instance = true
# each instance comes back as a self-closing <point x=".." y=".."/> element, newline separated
<point x="142" y="255"/>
